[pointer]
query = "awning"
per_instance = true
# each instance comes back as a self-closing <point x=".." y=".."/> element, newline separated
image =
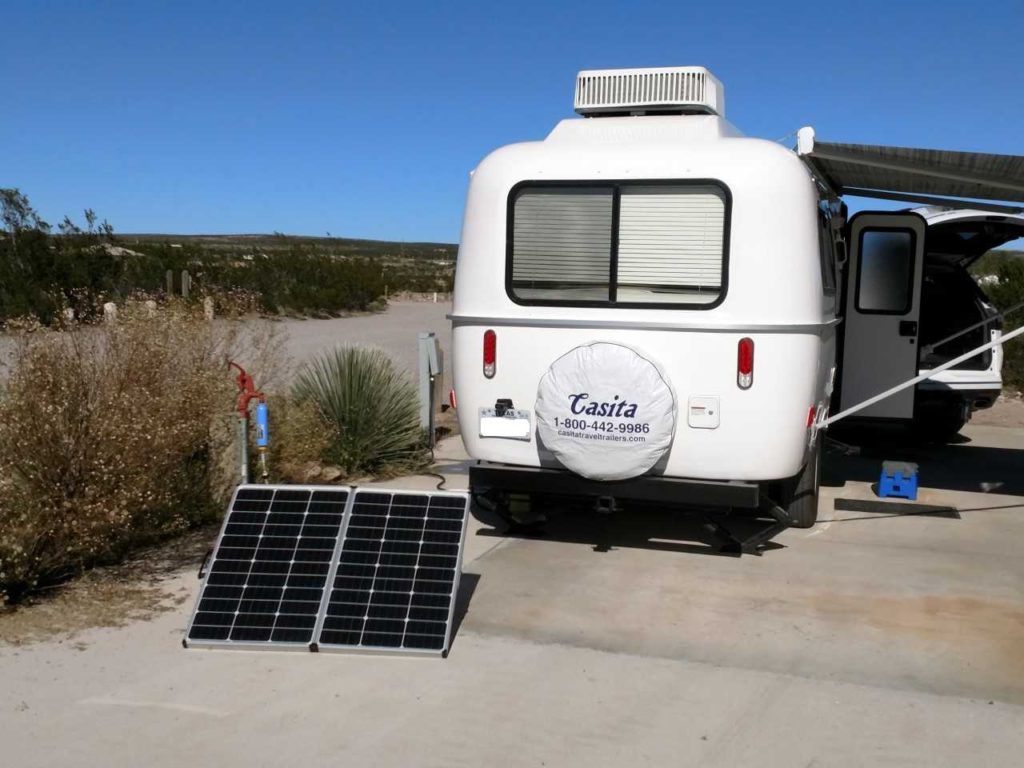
<point x="934" y="176"/>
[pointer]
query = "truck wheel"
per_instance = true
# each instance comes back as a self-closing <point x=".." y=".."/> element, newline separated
<point x="799" y="495"/>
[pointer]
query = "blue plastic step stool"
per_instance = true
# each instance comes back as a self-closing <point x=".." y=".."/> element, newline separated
<point x="899" y="479"/>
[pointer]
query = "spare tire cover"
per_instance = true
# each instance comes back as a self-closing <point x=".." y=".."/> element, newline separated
<point x="605" y="411"/>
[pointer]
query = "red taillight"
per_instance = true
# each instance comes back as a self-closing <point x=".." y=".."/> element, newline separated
<point x="451" y="398"/>
<point x="490" y="353"/>
<point x="745" y="363"/>
<point x="811" y="413"/>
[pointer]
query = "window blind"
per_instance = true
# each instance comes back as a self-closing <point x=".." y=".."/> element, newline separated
<point x="562" y="236"/>
<point x="671" y="236"/>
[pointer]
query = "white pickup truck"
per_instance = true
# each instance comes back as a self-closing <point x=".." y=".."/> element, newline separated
<point x="951" y="300"/>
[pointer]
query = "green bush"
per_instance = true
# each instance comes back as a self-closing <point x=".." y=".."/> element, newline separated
<point x="43" y="271"/>
<point x="371" y="409"/>
<point x="111" y="437"/>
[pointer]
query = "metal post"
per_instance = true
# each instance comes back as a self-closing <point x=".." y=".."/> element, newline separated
<point x="430" y="372"/>
<point x="243" y="447"/>
<point x="423" y="341"/>
<point x="247" y="392"/>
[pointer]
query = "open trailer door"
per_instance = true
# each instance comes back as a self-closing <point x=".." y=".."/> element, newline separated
<point x="881" y="344"/>
<point x="883" y="307"/>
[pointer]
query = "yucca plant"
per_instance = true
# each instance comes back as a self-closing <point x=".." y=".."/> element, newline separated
<point x="371" y="408"/>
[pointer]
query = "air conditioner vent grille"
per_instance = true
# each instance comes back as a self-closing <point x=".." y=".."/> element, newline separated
<point x="640" y="91"/>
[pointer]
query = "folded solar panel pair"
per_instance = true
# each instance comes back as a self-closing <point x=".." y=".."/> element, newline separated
<point x="332" y="567"/>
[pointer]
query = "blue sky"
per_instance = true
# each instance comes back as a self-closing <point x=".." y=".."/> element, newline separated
<point x="364" y="119"/>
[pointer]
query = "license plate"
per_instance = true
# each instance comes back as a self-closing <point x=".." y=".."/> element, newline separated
<point x="513" y="425"/>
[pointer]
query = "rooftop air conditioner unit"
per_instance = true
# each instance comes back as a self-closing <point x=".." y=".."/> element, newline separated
<point x="674" y="90"/>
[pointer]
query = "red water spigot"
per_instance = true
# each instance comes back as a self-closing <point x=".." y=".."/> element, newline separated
<point x="247" y="391"/>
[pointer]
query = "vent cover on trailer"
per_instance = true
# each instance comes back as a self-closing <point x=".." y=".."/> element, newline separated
<point x="691" y="90"/>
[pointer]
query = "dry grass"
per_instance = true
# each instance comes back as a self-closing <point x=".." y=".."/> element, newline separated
<point x="111" y="596"/>
<point x="115" y="436"/>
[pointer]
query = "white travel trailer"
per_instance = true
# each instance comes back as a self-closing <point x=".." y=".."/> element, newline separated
<point x="648" y="305"/>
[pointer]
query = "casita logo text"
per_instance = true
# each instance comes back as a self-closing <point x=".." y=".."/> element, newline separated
<point x="615" y="408"/>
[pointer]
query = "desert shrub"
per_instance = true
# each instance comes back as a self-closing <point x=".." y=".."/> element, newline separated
<point x="295" y="279"/>
<point x="371" y="409"/>
<point x="111" y="436"/>
<point x="301" y="438"/>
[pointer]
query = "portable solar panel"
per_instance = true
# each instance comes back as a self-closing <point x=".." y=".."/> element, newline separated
<point x="396" y="575"/>
<point x="267" y="576"/>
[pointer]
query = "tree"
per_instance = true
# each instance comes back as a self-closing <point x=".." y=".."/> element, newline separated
<point x="18" y="215"/>
<point x="42" y="273"/>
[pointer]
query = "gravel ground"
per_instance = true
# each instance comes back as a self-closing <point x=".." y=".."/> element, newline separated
<point x="1007" y="412"/>
<point x="395" y="331"/>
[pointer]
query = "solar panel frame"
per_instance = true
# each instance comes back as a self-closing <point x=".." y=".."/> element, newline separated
<point x="188" y="642"/>
<point x="319" y="645"/>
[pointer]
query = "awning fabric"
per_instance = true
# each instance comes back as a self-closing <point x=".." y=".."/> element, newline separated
<point x="857" y="168"/>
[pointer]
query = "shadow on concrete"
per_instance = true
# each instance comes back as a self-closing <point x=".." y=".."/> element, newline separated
<point x="880" y="510"/>
<point x="892" y="509"/>
<point x="635" y="526"/>
<point x="961" y="466"/>
<point x="467" y="586"/>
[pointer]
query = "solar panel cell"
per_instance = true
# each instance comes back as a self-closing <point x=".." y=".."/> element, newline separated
<point x="391" y="561"/>
<point x="397" y="572"/>
<point x="270" y="568"/>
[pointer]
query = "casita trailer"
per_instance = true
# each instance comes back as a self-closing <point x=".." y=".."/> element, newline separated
<point x="650" y="305"/>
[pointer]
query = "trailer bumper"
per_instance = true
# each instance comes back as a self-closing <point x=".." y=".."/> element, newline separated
<point x="671" y="490"/>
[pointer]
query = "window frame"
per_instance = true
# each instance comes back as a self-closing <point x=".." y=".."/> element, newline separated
<point x="911" y="273"/>
<point x="616" y="186"/>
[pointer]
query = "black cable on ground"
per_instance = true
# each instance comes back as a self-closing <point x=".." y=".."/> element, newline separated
<point x="441" y="478"/>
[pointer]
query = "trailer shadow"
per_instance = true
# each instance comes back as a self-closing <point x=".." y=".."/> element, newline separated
<point x="961" y="466"/>
<point x="636" y="526"/>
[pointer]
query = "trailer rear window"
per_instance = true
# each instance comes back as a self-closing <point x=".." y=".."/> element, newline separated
<point x="624" y="244"/>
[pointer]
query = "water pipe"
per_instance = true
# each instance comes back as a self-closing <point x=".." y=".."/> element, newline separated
<point x="247" y="392"/>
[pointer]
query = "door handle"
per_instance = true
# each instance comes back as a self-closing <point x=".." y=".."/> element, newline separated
<point x="908" y="328"/>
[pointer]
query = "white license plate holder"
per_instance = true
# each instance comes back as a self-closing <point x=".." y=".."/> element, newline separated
<point x="515" y="424"/>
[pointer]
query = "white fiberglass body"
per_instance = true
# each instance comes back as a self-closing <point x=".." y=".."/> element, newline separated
<point x="772" y="291"/>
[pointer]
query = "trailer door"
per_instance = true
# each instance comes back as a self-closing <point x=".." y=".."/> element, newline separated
<point x="883" y="305"/>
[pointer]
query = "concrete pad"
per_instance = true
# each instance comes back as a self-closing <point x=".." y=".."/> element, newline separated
<point x="134" y="697"/>
<point x="874" y="638"/>
<point x="894" y="600"/>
